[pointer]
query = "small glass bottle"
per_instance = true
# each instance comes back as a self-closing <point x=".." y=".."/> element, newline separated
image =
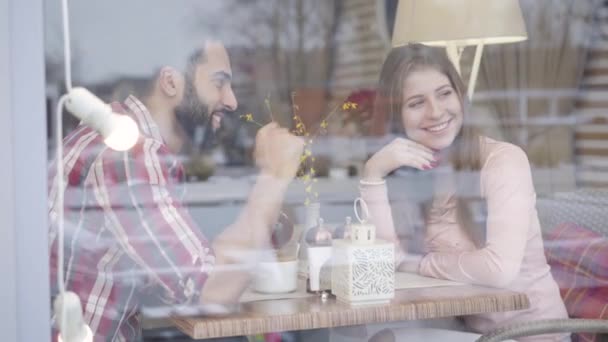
<point x="343" y="232"/>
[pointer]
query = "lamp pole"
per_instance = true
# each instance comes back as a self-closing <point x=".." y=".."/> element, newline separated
<point x="454" y="52"/>
<point x="474" y="70"/>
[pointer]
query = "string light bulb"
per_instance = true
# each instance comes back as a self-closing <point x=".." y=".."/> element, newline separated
<point x="120" y="132"/>
<point x="69" y="319"/>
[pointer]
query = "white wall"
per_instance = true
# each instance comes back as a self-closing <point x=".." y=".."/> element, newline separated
<point x="8" y="321"/>
<point x="24" y="313"/>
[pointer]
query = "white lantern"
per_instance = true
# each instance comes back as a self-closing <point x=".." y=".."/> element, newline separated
<point x="363" y="269"/>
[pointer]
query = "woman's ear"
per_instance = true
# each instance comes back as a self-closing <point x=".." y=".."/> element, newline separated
<point x="171" y="82"/>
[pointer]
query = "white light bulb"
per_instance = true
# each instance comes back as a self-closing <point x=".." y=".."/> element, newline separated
<point x="120" y="132"/>
<point x="88" y="337"/>
<point x="124" y="133"/>
<point x="69" y="320"/>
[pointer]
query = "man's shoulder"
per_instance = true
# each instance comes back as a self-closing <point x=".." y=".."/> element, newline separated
<point x="85" y="146"/>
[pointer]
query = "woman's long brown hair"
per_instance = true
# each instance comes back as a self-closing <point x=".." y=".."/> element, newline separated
<point x="466" y="151"/>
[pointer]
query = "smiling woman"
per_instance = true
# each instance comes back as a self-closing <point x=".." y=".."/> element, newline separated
<point x="420" y="90"/>
<point x="432" y="113"/>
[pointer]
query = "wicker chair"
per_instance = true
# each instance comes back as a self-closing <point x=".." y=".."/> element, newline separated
<point x="547" y="327"/>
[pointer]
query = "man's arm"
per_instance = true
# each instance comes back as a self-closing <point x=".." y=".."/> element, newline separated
<point x="277" y="153"/>
<point x="158" y="234"/>
<point x="238" y="246"/>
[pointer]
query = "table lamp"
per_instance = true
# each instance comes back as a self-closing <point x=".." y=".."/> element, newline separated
<point x="456" y="24"/>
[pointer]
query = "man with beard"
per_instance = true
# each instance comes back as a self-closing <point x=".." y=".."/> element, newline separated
<point x="128" y="237"/>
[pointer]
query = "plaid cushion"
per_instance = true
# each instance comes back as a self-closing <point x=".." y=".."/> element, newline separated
<point x="585" y="252"/>
<point x="579" y="263"/>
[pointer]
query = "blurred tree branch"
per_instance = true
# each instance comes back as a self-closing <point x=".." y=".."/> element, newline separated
<point x="294" y="40"/>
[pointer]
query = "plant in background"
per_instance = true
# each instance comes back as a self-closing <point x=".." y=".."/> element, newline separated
<point x="307" y="172"/>
<point x="199" y="167"/>
<point x="357" y="120"/>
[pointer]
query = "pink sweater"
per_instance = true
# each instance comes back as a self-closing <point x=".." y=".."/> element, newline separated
<point x="513" y="257"/>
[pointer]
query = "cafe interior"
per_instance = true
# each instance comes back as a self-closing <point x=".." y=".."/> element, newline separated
<point x="328" y="271"/>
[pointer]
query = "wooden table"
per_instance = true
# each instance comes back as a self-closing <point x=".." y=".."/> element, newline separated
<point x="313" y="313"/>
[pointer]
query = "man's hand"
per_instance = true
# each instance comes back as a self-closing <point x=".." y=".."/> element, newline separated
<point x="278" y="152"/>
<point x="399" y="152"/>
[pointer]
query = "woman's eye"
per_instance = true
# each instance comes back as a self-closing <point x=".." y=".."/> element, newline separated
<point x="445" y="93"/>
<point x="415" y="104"/>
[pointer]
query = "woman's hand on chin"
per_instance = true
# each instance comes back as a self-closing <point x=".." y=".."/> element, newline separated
<point x="399" y="152"/>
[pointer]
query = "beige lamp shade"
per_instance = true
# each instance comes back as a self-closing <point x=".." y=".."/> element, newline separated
<point x="458" y="22"/>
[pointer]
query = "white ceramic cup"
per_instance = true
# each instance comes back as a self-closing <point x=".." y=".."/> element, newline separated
<point x="276" y="277"/>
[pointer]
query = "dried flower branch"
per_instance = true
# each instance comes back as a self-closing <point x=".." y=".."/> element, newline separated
<point x="307" y="171"/>
<point x="249" y="118"/>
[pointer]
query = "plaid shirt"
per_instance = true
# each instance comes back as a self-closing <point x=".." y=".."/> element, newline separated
<point x="127" y="236"/>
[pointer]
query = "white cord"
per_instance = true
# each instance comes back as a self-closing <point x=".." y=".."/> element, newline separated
<point x="59" y="204"/>
<point x="67" y="57"/>
<point x="59" y="144"/>
<point x="67" y="54"/>
<point x="60" y="189"/>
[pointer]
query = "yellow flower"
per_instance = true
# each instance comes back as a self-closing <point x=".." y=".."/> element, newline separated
<point x="307" y="152"/>
<point x="307" y="202"/>
<point x="312" y="171"/>
<point x="324" y="124"/>
<point x="349" y="105"/>
<point x="248" y="117"/>
<point x="309" y="188"/>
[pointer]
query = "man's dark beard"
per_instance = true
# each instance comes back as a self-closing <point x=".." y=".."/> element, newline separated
<point x="192" y="113"/>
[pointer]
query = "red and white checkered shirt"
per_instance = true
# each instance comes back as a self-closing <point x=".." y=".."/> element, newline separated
<point x="128" y="239"/>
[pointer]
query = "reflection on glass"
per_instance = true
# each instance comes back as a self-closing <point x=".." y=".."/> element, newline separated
<point x="184" y="220"/>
